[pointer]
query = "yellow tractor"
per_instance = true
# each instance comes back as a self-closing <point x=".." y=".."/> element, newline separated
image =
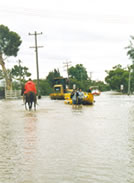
<point x="58" y="92"/>
<point x="60" y="88"/>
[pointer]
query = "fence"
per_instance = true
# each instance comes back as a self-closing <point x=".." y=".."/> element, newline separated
<point x="12" y="94"/>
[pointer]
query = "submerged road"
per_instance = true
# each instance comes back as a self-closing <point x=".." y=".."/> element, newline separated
<point x="59" y="144"/>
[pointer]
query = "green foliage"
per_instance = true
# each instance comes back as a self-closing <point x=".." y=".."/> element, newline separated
<point x="78" y="72"/>
<point x="83" y="82"/>
<point x="84" y="85"/>
<point x="52" y="75"/>
<point x="116" y="77"/>
<point x="130" y="49"/>
<point x="45" y="87"/>
<point x="8" y="72"/>
<point x="101" y="85"/>
<point x="16" y="85"/>
<point x="19" y="72"/>
<point x="9" y="46"/>
<point x="9" y="41"/>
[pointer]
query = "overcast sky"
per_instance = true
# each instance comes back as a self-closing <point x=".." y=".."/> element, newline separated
<point x="89" y="32"/>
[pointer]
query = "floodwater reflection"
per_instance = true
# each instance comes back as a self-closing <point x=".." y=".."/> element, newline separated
<point x="61" y="144"/>
<point x="30" y="145"/>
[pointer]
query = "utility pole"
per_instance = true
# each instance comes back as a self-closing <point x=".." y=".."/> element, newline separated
<point x="67" y="65"/>
<point x="91" y="75"/>
<point x="35" y="34"/>
<point x="129" y="82"/>
<point x="19" y="61"/>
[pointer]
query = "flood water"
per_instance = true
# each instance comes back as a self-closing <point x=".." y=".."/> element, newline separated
<point x="59" y="144"/>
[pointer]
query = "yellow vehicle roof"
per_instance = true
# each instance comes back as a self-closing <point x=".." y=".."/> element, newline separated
<point x="57" y="86"/>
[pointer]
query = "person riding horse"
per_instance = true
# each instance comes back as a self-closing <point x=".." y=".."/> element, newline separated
<point x="30" y="93"/>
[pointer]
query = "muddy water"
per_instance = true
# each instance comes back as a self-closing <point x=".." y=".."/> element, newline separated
<point x="58" y="144"/>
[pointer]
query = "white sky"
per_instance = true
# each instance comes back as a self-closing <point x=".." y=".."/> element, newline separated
<point x="89" y="32"/>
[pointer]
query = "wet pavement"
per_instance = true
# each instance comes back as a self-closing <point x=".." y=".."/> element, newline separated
<point x="59" y="144"/>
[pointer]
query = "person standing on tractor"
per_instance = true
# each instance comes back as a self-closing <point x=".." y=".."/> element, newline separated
<point x="80" y="96"/>
<point x="74" y="97"/>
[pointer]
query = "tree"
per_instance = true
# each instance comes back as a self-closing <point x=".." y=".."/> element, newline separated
<point x="9" y="46"/>
<point x="78" y="72"/>
<point x="52" y="75"/>
<point x="1" y="74"/>
<point x="116" y="77"/>
<point x="20" y="73"/>
<point x="130" y="53"/>
<point x="45" y="88"/>
<point x="8" y="72"/>
<point x="101" y="85"/>
<point x="130" y="48"/>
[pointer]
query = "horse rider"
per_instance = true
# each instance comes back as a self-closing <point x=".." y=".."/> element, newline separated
<point x="30" y="86"/>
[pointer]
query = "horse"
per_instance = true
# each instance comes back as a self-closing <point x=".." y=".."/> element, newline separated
<point x="30" y="98"/>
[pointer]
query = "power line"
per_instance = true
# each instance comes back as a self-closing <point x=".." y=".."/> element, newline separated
<point x="35" y="34"/>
